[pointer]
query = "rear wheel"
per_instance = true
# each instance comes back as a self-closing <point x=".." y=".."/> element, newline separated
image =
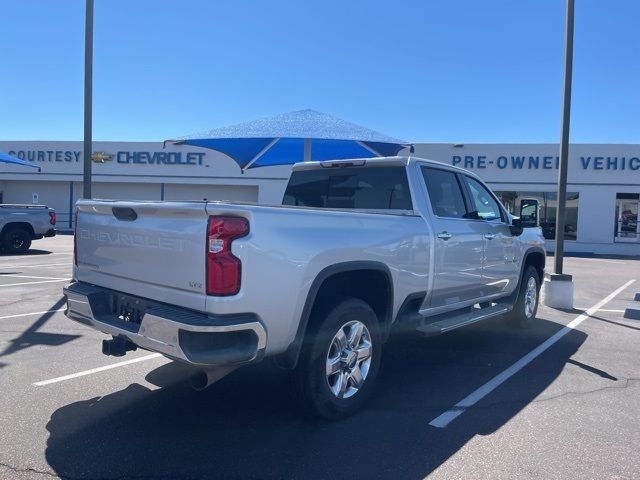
<point x="339" y="366"/>
<point x="16" y="240"/>
<point x="526" y="306"/>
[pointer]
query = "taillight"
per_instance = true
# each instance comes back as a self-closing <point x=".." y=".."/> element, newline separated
<point x="75" y="237"/>
<point x="223" y="267"/>
<point x="52" y="218"/>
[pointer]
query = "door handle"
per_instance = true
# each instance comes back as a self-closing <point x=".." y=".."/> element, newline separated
<point x="489" y="236"/>
<point x="444" y="236"/>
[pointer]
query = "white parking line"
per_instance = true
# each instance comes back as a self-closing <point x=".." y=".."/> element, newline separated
<point x="34" y="266"/>
<point x="441" y="421"/>
<point x="34" y="283"/>
<point x="601" y="260"/>
<point x="32" y="313"/>
<point x="29" y="276"/>
<point x="96" y="370"/>
<point x="603" y="310"/>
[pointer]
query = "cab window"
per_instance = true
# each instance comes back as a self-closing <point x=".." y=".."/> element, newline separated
<point x="366" y="188"/>
<point x="445" y="193"/>
<point x="486" y="207"/>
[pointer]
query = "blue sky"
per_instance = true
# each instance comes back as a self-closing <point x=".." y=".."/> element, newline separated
<point x="434" y="71"/>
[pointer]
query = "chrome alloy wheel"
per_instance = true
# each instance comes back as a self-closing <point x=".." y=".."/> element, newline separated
<point x="349" y="359"/>
<point x="530" y="297"/>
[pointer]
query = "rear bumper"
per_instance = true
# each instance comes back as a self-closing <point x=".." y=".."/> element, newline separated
<point x="49" y="233"/>
<point x="178" y="333"/>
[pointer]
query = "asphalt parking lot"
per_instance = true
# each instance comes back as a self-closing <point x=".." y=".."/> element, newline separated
<point x="573" y="411"/>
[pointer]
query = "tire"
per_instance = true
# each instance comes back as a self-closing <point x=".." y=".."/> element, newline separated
<point x="356" y="363"/>
<point x="524" y="311"/>
<point x="16" y="241"/>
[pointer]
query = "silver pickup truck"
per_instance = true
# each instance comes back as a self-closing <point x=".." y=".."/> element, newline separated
<point x="357" y="249"/>
<point x="20" y="224"/>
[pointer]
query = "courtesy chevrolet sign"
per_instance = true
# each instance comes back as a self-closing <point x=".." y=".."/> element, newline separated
<point x="147" y="157"/>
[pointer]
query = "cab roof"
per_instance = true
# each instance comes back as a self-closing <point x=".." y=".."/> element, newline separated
<point x="402" y="161"/>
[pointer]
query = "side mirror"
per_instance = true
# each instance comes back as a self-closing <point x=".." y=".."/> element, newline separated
<point x="529" y="208"/>
<point x="516" y="227"/>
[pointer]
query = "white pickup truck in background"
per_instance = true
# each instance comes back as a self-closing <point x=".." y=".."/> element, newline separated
<point x="20" y="224"/>
<point x="357" y="248"/>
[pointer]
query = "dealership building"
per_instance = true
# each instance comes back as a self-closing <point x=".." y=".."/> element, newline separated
<point x="603" y="193"/>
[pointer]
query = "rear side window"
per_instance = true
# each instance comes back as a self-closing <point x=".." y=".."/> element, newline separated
<point x="372" y="188"/>
<point x="445" y="193"/>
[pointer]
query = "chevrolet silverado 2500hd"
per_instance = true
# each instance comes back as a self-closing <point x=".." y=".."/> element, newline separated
<point x="356" y="248"/>
<point x="20" y="224"/>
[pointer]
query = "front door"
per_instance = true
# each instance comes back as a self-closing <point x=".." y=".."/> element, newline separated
<point x="499" y="269"/>
<point x="458" y="245"/>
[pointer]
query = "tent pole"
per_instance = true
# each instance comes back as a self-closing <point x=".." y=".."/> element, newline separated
<point x="260" y="153"/>
<point x="367" y="147"/>
<point x="307" y="149"/>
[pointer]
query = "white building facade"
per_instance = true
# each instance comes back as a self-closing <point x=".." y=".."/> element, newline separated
<point x="603" y="193"/>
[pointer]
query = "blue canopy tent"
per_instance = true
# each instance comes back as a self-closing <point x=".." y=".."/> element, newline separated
<point x="294" y="137"/>
<point x="6" y="158"/>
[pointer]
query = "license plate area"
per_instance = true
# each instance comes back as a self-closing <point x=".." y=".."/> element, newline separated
<point x="127" y="309"/>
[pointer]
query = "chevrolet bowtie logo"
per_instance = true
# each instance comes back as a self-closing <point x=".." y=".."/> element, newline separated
<point x="101" y="157"/>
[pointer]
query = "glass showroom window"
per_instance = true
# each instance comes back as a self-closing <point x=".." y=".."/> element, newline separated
<point x="626" y="224"/>
<point x="548" y="204"/>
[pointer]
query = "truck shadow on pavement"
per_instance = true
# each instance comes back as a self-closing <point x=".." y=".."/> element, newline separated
<point x="247" y="425"/>
<point x="31" y="337"/>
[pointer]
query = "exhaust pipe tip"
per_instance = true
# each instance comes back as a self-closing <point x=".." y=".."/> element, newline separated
<point x="199" y="380"/>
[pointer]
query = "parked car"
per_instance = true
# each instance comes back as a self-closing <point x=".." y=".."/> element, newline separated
<point x="21" y="224"/>
<point x="357" y="248"/>
<point x="628" y="222"/>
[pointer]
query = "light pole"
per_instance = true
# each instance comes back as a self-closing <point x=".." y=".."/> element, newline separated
<point x="564" y="141"/>
<point x="88" y="95"/>
<point x="559" y="287"/>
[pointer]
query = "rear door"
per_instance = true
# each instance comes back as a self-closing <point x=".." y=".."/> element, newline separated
<point x="458" y="245"/>
<point x="154" y="250"/>
<point x="499" y="270"/>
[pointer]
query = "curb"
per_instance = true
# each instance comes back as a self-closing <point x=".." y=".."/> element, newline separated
<point x="633" y="310"/>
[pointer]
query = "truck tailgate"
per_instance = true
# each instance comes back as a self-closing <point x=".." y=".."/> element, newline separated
<point x="151" y="249"/>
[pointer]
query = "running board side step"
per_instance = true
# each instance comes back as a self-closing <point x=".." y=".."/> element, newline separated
<point x="446" y="322"/>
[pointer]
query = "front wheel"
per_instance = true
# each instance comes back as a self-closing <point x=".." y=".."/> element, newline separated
<point x="340" y="363"/>
<point x="526" y="306"/>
